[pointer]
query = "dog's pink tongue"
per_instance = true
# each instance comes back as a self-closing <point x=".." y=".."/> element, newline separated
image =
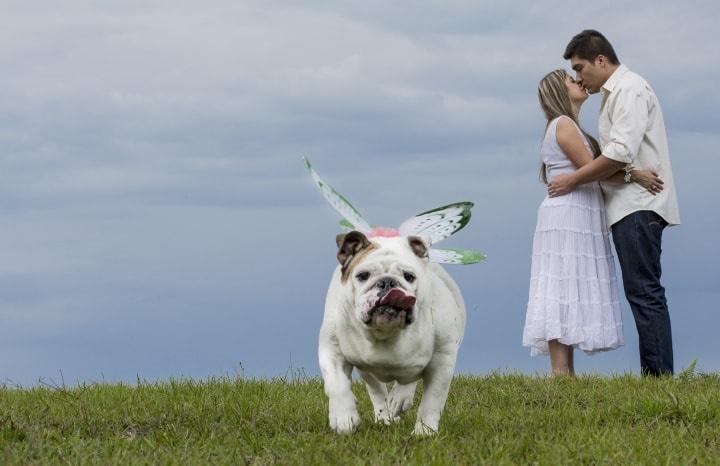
<point x="398" y="299"/>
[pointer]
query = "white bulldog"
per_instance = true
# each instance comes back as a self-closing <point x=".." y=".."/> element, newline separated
<point x="394" y="316"/>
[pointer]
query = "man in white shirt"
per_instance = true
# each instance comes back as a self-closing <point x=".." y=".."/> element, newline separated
<point x="632" y="135"/>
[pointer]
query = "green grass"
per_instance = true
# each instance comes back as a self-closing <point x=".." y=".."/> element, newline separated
<point x="496" y="419"/>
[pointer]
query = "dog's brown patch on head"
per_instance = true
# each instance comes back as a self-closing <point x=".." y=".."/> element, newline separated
<point x="418" y="246"/>
<point x="352" y="247"/>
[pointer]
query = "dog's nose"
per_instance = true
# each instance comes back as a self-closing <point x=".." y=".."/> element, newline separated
<point x="385" y="284"/>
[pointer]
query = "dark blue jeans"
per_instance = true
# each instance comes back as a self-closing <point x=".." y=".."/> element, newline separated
<point x="638" y="239"/>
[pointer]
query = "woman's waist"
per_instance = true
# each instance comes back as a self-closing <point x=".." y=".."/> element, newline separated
<point x="589" y="194"/>
<point x="553" y="171"/>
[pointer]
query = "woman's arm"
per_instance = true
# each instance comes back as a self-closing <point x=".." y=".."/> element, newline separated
<point x="572" y="144"/>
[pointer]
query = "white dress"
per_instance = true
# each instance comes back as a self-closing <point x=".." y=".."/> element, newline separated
<point x="573" y="289"/>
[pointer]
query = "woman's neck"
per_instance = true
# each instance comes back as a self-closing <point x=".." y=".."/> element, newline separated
<point x="576" y="109"/>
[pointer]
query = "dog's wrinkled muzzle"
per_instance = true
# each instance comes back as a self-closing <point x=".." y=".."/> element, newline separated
<point x="394" y="309"/>
<point x="398" y="299"/>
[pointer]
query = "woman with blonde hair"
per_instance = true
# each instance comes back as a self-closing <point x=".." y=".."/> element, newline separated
<point x="573" y="299"/>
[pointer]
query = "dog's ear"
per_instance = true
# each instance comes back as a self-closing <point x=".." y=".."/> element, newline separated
<point x="349" y="245"/>
<point x="418" y="246"/>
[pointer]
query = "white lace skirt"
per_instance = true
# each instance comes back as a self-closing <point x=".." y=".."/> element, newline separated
<point x="573" y="289"/>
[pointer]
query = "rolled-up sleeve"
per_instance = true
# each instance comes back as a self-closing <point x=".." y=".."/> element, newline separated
<point x="629" y="122"/>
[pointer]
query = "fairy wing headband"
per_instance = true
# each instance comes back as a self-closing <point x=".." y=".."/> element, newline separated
<point x="435" y="225"/>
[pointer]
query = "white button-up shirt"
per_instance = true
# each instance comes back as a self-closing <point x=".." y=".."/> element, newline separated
<point x="632" y="131"/>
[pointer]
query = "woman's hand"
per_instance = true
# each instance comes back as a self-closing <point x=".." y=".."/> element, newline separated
<point x="648" y="179"/>
<point x="561" y="185"/>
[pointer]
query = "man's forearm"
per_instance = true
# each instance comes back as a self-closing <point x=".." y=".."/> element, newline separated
<point x="599" y="169"/>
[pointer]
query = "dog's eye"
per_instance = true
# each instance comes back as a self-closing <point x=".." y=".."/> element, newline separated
<point x="363" y="276"/>
<point x="409" y="277"/>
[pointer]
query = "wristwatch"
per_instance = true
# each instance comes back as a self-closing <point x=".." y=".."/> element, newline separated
<point x="628" y="173"/>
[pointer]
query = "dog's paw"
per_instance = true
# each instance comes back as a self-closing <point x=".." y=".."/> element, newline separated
<point x="344" y="422"/>
<point x="385" y="416"/>
<point x="400" y="401"/>
<point x="423" y="429"/>
<point x="399" y="404"/>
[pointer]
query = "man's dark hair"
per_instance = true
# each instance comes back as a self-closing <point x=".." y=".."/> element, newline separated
<point x="588" y="45"/>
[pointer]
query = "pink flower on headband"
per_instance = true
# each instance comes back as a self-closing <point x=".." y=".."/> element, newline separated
<point x="383" y="232"/>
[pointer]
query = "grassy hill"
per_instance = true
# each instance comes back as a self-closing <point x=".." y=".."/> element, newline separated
<point x="495" y="419"/>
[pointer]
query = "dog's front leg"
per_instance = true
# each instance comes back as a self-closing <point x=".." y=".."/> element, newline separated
<point x="436" y="380"/>
<point x="336" y="373"/>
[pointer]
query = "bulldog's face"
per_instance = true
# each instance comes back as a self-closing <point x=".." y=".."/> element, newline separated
<point x="384" y="276"/>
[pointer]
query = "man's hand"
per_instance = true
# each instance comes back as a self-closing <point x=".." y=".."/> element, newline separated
<point x="561" y="185"/>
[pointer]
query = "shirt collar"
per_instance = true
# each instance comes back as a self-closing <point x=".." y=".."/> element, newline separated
<point x="614" y="78"/>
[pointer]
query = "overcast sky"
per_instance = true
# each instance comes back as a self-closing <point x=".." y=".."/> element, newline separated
<point x="156" y="220"/>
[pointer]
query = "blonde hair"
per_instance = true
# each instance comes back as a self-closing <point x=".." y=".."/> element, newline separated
<point x="555" y="102"/>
